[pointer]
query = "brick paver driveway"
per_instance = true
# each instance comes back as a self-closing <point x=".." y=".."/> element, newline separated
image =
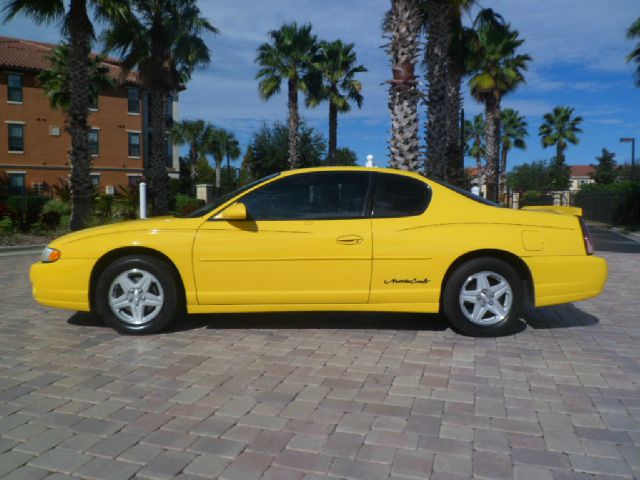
<point x="358" y="396"/>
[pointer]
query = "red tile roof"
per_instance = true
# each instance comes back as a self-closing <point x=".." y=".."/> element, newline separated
<point x="581" y="170"/>
<point x="31" y="55"/>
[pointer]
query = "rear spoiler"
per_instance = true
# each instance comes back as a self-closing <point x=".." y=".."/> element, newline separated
<point x="577" y="211"/>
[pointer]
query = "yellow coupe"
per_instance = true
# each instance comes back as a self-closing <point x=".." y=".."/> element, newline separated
<point x="361" y="239"/>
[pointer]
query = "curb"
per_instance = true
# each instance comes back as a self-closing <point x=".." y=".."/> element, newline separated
<point x="21" y="248"/>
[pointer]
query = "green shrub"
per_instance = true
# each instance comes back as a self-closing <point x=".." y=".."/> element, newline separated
<point x="65" y="221"/>
<point x="103" y="204"/>
<point x="614" y="204"/>
<point x="627" y="186"/>
<point x="6" y="225"/>
<point x="50" y="220"/>
<point x="127" y="202"/>
<point x="186" y="204"/>
<point x="25" y="212"/>
<point x="55" y="205"/>
<point x="535" y="198"/>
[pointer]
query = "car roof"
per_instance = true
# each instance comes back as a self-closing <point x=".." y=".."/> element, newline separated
<point x="353" y="169"/>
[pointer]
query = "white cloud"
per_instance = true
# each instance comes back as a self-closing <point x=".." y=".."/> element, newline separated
<point x="591" y="33"/>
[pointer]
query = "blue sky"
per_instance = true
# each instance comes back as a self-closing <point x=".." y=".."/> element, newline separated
<point x="578" y="49"/>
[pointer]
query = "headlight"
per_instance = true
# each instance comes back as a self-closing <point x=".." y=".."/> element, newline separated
<point x="49" y="255"/>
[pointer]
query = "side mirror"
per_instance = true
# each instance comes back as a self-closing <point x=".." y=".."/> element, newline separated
<point x="235" y="212"/>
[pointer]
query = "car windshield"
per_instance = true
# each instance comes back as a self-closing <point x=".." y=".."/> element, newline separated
<point x="209" y="207"/>
<point x="465" y="193"/>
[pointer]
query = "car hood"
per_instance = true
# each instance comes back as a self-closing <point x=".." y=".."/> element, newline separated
<point x="147" y="224"/>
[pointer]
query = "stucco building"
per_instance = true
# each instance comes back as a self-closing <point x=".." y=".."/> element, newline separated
<point x="580" y="175"/>
<point x="34" y="145"/>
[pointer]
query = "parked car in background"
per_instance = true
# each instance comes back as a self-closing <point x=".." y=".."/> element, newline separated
<point x="338" y="238"/>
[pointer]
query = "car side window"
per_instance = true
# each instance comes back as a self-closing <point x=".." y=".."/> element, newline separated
<point x="400" y="196"/>
<point x="310" y="196"/>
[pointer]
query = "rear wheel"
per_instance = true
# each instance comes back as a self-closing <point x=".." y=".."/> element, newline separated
<point x="484" y="297"/>
<point x="137" y="295"/>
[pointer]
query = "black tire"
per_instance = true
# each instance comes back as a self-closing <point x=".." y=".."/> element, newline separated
<point x="163" y="282"/>
<point x="464" y="277"/>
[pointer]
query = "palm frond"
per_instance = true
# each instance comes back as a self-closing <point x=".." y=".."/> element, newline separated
<point x="41" y="11"/>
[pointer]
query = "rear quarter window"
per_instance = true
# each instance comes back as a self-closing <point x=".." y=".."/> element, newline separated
<point x="400" y="196"/>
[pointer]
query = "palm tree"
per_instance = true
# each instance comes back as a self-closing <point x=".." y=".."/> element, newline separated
<point x="162" y="40"/>
<point x="457" y="69"/>
<point x="445" y="59"/>
<point x="403" y="30"/>
<point x="474" y="133"/>
<point x="633" y="33"/>
<point x="288" y="57"/>
<point x="497" y="70"/>
<point x="221" y="143"/>
<point x="336" y="62"/>
<point x="514" y="132"/>
<point x="79" y="34"/>
<point x="560" y="128"/>
<point x="193" y="133"/>
<point x="55" y="81"/>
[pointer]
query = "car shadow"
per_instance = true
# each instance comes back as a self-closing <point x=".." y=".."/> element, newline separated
<point x="315" y="320"/>
<point x="86" y="319"/>
<point x="559" y="316"/>
<point x="291" y="320"/>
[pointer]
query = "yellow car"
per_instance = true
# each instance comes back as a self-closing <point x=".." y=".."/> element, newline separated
<point x="343" y="238"/>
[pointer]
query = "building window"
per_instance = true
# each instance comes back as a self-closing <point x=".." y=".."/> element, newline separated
<point x="94" y="141"/>
<point x="95" y="180"/>
<point x="134" y="100"/>
<point x="37" y="188"/>
<point x="16" y="137"/>
<point x="134" y="180"/>
<point x="93" y="103"/>
<point x="17" y="183"/>
<point x="14" y="90"/>
<point x="134" y="144"/>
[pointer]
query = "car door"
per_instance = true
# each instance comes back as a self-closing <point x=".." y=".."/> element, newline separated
<point x="306" y="240"/>
<point x="402" y="260"/>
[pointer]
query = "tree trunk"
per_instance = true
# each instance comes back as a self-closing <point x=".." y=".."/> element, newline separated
<point x="437" y="59"/>
<point x="79" y="87"/>
<point x="193" y="160"/>
<point x="404" y="146"/>
<point x="156" y="169"/>
<point x="333" y="132"/>
<point x="492" y="106"/>
<point x="293" y="124"/>
<point x="218" y="176"/>
<point x="455" y="73"/>
<point x="455" y="160"/>
<point x="503" y="171"/>
<point x="481" y="173"/>
<point x="560" y="151"/>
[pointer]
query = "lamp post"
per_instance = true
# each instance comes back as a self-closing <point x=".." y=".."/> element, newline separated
<point x="633" y="154"/>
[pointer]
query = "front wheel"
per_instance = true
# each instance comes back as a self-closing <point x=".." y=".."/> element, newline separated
<point x="137" y="294"/>
<point x="483" y="298"/>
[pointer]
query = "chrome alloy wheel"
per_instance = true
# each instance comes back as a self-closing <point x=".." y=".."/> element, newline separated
<point x="136" y="296"/>
<point x="486" y="298"/>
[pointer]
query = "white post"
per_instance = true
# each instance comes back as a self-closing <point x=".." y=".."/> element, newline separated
<point x="370" y="159"/>
<point x="143" y="200"/>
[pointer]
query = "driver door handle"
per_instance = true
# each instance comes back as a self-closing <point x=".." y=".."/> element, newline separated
<point x="349" y="239"/>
